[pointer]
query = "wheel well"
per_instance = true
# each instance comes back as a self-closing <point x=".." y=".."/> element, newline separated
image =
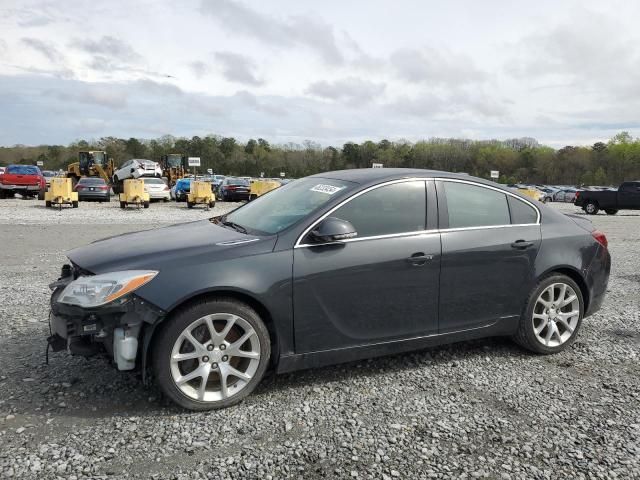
<point x="239" y="296"/>
<point x="576" y="277"/>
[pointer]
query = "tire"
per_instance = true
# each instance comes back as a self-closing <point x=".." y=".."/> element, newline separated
<point x="41" y="195"/>
<point x="74" y="204"/>
<point x="123" y="204"/>
<point x="169" y="342"/>
<point x="591" y="208"/>
<point x="212" y="204"/>
<point x="145" y="204"/>
<point x="611" y="211"/>
<point x="252" y="197"/>
<point x="526" y="335"/>
<point x="189" y="204"/>
<point x="47" y="204"/>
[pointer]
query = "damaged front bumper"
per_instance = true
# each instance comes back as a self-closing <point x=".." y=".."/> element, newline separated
<point x="117" y="329"/>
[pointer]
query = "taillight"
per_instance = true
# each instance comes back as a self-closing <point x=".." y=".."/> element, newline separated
<point x="600" y="237"/>
<point x="577" y="195"/>
<point x="104" y="187"/>
<point x="79" y="187"/>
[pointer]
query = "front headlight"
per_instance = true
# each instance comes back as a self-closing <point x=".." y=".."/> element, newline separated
<point x="97" y="290"/>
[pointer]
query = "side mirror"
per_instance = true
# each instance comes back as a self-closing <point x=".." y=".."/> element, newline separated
<point x="333" y="229"/>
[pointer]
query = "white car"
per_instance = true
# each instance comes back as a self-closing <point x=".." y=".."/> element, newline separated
<point x="156" y="188"/>
<point x="136" y="168"/>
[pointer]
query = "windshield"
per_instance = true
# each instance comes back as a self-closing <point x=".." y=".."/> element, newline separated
<point x="281" y="208"/>
<point x="23" y="170"/>
<point x="174" y="160"/>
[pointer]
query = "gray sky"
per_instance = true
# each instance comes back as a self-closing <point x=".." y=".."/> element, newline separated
<point x="564" y="72"/>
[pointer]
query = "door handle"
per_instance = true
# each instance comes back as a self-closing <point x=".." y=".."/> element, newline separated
<point x="419" y="258"/>
<point x="521" y="244"/>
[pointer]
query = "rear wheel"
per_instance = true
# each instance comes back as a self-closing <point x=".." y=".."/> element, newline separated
<point x="212" y="203"/>
<point x="553" y="315"/>
<point x="211" y="354"/>
<point x="145" y="204"/>
<point x="591" y="208"/>
<point x="123" y="204"/>
<point x="74" y="204"/>
<point x="41" y="195"/>
<point x="611" y="211"/>
<point x="189" y="204"/>
<point x="47" y="204"/>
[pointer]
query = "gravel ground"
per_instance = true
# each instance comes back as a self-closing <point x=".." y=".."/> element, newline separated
<point x="482" y="409"/>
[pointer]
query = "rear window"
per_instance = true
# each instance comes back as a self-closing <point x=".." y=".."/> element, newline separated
<point x="153" y="181"/>
<point x="92" y="181"/>
<point x="238" y="181"/>
<point x="23" y="170"/>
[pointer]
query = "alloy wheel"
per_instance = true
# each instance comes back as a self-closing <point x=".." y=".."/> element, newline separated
<point x="556" y="314"/>
<point x="215" y="357"/>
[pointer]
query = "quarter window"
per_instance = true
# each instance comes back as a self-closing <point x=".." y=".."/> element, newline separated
<point x="395" y="208"/>
<point x="475" y="206"/>
<point x="521" y="213"/>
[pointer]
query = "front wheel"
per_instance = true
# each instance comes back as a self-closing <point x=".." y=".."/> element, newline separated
<point x="553" y="315"/>
<point x="591" y="208"/>
<point x="611" y="211"/>
<point x="211" y="354"/>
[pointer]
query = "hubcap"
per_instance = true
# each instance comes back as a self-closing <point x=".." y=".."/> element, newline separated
<point x="556" y="314"/>
<point x="215" y="357"/>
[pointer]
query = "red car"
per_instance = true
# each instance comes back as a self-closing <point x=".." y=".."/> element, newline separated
<point x="26" y="180"/>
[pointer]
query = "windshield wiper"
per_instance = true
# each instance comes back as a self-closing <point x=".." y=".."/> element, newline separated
<point x="235" y="226"/>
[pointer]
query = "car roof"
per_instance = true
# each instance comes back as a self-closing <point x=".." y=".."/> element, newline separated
<point x="367" y="175"/>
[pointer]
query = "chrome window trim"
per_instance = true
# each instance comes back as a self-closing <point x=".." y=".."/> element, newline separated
<point x="418" y="232"/>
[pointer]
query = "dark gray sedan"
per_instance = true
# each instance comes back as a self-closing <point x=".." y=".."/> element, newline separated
<point x="91" y="188"/>
<point x="330" y="268"/>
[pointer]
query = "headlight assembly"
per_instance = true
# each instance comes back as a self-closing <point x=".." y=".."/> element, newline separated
<point x="93" y="291"/>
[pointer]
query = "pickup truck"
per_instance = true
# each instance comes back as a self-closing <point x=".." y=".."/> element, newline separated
<point x="627" y="197"/>
<point x="26" y="180"/>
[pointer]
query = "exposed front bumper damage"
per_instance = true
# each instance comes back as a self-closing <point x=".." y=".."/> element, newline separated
<point x="115" y="329"/>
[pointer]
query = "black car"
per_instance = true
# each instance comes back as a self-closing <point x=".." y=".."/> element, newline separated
<point x="234" y="189"/>
<point x="626" y="197"/>
<point x="92" y="188"/>
<point x="330" y="268"/>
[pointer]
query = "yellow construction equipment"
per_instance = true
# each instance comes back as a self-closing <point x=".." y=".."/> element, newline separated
<point x="60" y="193"/>
<point x="134" y="193"/>
<point x="201" y="194"/>
<point x="92" y="163"/>
<point x="260" y="187"/>
<point x="174" y="165"/>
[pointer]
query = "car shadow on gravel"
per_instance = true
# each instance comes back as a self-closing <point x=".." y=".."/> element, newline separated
<point x="91" y="388"/>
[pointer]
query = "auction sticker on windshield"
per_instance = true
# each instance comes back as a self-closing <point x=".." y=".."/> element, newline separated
<point x="328" y="189"/>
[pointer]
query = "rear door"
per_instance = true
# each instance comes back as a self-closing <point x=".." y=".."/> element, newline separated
<point x="490" y="239"/>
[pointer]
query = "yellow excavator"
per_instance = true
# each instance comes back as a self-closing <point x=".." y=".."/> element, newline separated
<point x="174" y="166"/>
<point x="92" y="163"/>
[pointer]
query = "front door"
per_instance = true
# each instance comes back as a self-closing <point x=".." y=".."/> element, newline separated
<point x="489" y="243"/>
<point x="629" y="196"/>
<point x="380" y="286"/>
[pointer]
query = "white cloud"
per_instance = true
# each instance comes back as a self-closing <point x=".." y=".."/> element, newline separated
<point x="329" y="71"/>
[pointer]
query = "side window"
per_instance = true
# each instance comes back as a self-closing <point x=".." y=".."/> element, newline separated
<point x="474" y="206"/>
<point x="395" y="208"/>
<point x="521" y="212"/>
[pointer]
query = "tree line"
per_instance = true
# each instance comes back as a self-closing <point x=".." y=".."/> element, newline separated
<point x="521" y="160"/>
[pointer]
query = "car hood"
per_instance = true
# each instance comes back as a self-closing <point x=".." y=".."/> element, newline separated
<point x="166" y="247"/>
